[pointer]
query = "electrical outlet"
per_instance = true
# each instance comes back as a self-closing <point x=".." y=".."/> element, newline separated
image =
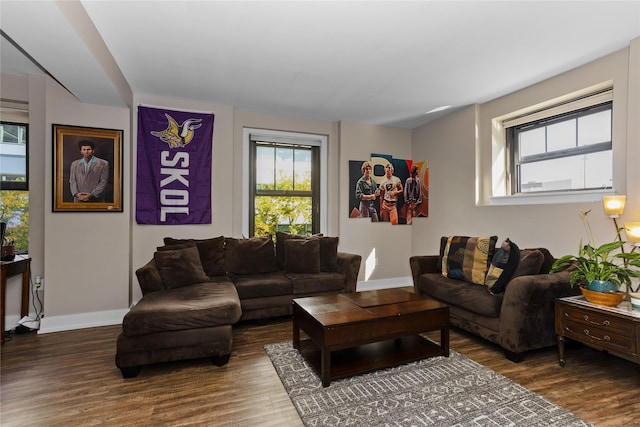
<point x="37" y="284"/>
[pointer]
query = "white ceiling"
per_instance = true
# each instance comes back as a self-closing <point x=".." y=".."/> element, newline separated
<point x="383" y="62"/>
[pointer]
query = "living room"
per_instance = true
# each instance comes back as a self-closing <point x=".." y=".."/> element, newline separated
<point x="88" y="260"/>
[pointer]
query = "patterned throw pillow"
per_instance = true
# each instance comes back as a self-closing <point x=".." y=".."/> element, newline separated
<point x="468" y="258"/>
<point x="503" y="265"/>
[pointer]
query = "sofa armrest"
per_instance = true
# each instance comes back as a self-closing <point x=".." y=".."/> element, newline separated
<point x="349" y="267"/>
<point x="527" y="314"/>
<point x="149" y="278"/>
<point x="421" y="264"/>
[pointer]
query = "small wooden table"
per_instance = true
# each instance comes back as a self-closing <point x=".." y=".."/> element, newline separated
<point x="361" y="332"/>
<point x="612" y="329"/>
<point x="20" y="265"/>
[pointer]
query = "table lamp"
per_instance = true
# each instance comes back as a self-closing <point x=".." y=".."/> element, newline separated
<point x="614" y="205"/>
<point x="633" y="233"/>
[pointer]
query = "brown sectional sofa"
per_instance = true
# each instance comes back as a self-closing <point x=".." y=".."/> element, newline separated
<point x="194" y="291"/>
<point x="519" y="318"/>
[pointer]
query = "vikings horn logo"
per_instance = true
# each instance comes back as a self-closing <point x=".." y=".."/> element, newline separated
<point x="177" y="136"/>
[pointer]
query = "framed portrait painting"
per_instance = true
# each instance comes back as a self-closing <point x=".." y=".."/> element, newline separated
<point x="87" y="169"/>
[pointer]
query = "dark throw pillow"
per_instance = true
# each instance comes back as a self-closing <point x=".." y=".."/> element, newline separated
<point x="254" y="255"/>
<point x="302" y="256"/>
<point x="329" y="254"/>
<point x="149" y="278"/>
<point x="530" y="263"/>
<point x="211" y="253"/>
<point x="503" y="264"/>
<point x="282" y="237"/>
<point x="179" y="267"/>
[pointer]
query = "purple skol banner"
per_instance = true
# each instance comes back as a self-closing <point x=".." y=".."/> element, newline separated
<point x="174" y="167"/>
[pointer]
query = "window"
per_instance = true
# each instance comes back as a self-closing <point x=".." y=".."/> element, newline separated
<point x="14" y="184"/>
<point x="567" y="147"/>
<point x="285" y="187"/>
<point x="13" y="156"/>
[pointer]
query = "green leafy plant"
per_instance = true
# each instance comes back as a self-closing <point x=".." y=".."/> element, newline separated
<point x="600" y="263"/>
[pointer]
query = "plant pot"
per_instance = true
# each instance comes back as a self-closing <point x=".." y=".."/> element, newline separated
<point x="602" y="286"/>
<point x="609" y="299"/>
<point x="635" y="301"/>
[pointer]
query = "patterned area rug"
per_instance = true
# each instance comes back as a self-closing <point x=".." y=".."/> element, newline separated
<point x="439" y="391"/>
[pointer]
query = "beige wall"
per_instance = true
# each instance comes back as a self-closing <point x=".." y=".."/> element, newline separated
<point x="458" y="148"/>
<point x="88" y="260"/>
<point x="86" y="256"/>
<point x="390" y="244"/>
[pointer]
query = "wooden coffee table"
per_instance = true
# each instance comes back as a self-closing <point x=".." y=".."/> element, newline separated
<point x="354" y="333"/>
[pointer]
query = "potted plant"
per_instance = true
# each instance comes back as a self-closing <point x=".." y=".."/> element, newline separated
<point x="601" y="269"/>
<point x="600" y="265"/>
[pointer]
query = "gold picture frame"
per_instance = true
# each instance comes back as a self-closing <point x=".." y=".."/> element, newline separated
<point x="93" y="186"/>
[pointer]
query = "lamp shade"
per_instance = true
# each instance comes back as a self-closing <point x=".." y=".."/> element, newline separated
<point x="614" y="205"/>
<point x="633" y="232"/>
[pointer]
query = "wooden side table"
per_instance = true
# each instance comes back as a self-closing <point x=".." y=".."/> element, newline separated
<point x="20" y="265"/>
<point x="612" y="329"/>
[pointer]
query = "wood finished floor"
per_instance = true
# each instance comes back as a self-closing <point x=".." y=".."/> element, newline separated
<point x="70" y="379"/>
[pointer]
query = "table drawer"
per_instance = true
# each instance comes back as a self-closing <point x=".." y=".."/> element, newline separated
<point x="612" y="324"/>
<point x="600" y="337"/>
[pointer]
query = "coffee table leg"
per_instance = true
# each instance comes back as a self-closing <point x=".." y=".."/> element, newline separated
<point x="444" y="340"/>
<point x="296" y="334"/>
<point x="325" y="366"/>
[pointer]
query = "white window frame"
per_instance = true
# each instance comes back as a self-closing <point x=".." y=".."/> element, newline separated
<point x="291" y="138"/>
<point x="501" y="189"/>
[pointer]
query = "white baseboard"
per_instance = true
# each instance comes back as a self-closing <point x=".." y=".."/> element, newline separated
<point x="396" y="282"/>
<point x="81" y="321"/>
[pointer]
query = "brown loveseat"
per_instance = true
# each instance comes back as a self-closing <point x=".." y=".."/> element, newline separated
<point x="194" y="291"/>
<point x="520" y="316"/>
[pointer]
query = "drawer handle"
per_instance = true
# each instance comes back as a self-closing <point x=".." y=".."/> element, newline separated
<point x="586" y="318"/>
<point x="605" y="338"/>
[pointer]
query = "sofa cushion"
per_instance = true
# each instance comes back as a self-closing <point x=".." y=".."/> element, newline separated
<point x="254" y="255"/>
<point x="307" y="284"/>
<point x="329" y="254"/>
<point x="531" y="262"/>
<point x="548" y="261"/>
<point x="179" y="267"/>
<point x="201" y="305"/>
<point x="467" y="258"/>
<point x="173" y="246"/>
<point x="211" y="253"/>
<point x="502" y="266"/>
<point x="443" y="245"/>
<point x="262" y="285"/>
<point x="302" y="256"/>
<point x="473" y="298"/>
<point x="149" y="278"/>
<point x="281" y="238"/>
